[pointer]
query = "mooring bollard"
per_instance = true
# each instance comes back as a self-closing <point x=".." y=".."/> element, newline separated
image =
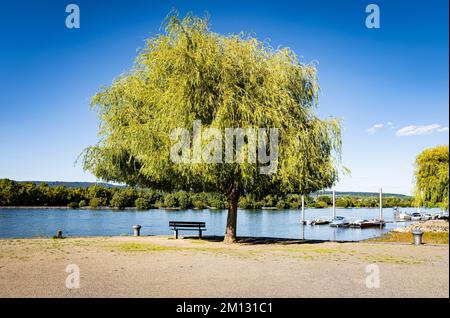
<point x="417" y="237"/>
<point x="137" y="230"/>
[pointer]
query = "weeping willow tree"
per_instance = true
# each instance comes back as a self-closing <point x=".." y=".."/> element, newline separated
<point x="189" y="73"/>
<point x="432" y="177"/>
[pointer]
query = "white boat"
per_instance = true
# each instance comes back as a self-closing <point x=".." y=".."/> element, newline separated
<point x="365" y="223"/>
<point x="416" y="216"/>
<point x="426" y="217"/>
<point x="358" y="223"/>
<point x="435" y="216"/>
<point x="320" y="222"/>
<point x="404" y="216"/>
<point x="340" y="221"/>
<point x="401" y="215"/>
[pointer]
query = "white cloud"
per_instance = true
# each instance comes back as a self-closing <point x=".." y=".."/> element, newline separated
<point x="390" y="124"/>
<point x="374" y="128"/>
<point x="413" y="130"/>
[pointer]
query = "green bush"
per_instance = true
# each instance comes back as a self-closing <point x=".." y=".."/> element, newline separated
<point x="217" y="200"/>
<point x="325" y="198"/>
<point x="82" y="203"/>
<point x="142" y="204"/>
<point x="101" y="193"/>
<point x="258" y="204"/>
<point x="217" y="203"/>
<point x="184" y="201"/>
<point x="249" y="201"/>
<point x="73" y="205"/>
<point x="270" y="201"/>
<point x="151" y="196"/>
<point x="198" y="204"/>
<point x="245" y="203"/>
<point x="281" y="204"/>
<point x="119" y="200"/>
<point x="321" y="204"/>
<point x="345" y="202"/>
<point x="97" y="202"/>
<point x="294" y="201"/>
<point x="170" y="201"/>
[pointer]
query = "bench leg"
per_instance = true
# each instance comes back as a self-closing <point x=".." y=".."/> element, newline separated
<point x="199" y="234"/>
<point x="175" y="234"/>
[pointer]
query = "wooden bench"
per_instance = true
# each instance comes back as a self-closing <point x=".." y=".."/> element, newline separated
<point x="187" y="226"/>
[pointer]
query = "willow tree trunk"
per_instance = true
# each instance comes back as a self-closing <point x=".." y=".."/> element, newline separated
<point x="230" y="232"/>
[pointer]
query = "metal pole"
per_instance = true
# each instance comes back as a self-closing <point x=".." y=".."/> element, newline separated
<point x="303" y="209"/>
<point x="334" y="205"/>
<point x="302" y="226"/>
<point x="381" y="204"/>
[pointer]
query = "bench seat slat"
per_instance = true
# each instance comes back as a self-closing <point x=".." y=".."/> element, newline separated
<point x="193" y="223"/>
<point x="187" y="224"/>
<point x="189" y="229"/>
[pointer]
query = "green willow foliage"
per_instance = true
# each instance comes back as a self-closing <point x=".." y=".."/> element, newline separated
<point x="190" y="73"/>
<point x="432" y="177"/>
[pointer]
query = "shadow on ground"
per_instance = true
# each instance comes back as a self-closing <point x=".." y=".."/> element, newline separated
<point x="263" y="240"/>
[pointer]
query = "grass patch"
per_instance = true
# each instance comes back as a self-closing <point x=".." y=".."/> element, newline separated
<point x="300" y="255"/>
<point x="149" y="248"/>
<point x="392" y="260"/>
<point x="145" y="247"/>
<point x="325" y="250"/>
<point x="197" y="241"/>
<point x="311" y="250"/>
<point x="310" y="253"/>
<point x="405" y="237"/>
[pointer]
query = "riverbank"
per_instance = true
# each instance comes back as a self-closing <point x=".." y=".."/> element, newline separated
<point x="434" y="232"/>
<point x="158" y="266"/>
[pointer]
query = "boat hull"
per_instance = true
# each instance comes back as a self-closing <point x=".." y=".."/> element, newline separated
<point x="367" y="224"/>
<point x="340" y="225"/>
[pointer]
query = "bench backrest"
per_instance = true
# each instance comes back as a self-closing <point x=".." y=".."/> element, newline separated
<point x="186" y="224"/>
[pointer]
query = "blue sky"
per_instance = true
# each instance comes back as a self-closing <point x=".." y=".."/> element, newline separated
<point x="393" y="79"/>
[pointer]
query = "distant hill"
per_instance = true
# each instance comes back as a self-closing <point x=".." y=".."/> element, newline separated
<point x="73" y="184"/>
<point x="108" y="185"/>
<point x="361" y="194"/>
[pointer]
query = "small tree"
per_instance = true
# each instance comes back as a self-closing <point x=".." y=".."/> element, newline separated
<point x="142" y="204"/>
<point x="190" y="73"/>
<point x="432" y="177"/>
<point x="119" y="200"/>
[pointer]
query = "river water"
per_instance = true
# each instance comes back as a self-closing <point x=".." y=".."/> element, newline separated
<point x="27" y="222"/>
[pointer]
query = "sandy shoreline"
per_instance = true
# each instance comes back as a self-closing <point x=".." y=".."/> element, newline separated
<point x="158" y="266"/>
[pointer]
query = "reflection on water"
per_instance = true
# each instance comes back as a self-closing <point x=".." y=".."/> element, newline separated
<point x="265" y="223"/>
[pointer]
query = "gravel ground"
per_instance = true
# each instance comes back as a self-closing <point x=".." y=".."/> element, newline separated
<point x="162" y="267"/>
<point x="437" y="226"/>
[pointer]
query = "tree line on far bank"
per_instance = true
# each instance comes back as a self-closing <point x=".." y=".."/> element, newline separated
<point x="14" y="193"/>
